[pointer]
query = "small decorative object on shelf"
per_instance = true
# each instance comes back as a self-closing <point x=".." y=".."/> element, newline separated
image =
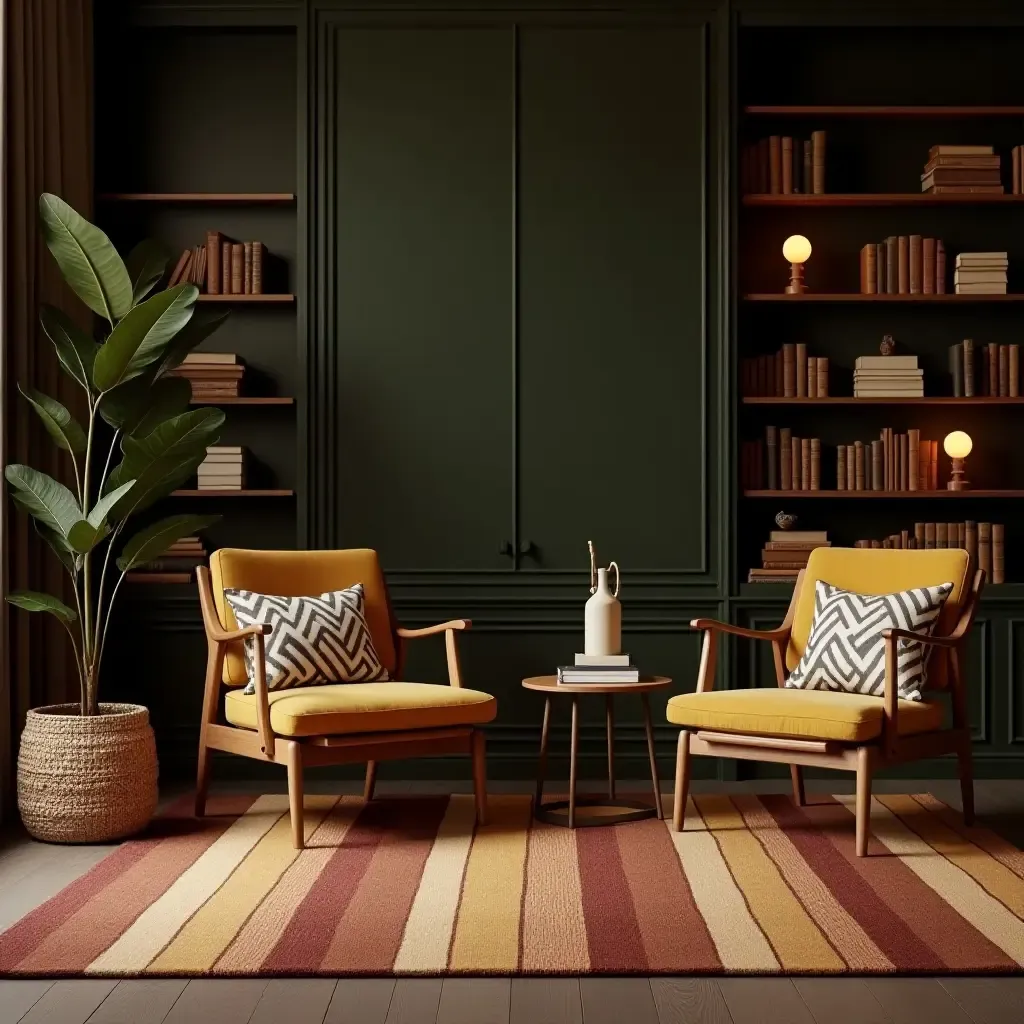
<point x="212" y="375"/>
<point x="223" y="469"/>
<point x="980" y="273"/>
<point x="888" y="345"/>
<point x="603" y="616"/>
<point x="785" y="520"/>
<point x="797" y="250"/>
<point x="962" y="169"/>
<point x="887" y="375"/>
<point x="786" y="552"/>
<point x="957" y="446"/>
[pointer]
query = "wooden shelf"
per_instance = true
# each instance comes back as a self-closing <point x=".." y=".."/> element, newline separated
<point x="882" y="111"/>
<point x="883" y="494"/>
<point x="850" y="400"/>
<point x="251" y="198"/>
<point x="243" y="400"/>
<point x="883" y="199"/>
<point x="195" y="493"/>
<point x="158" y="577"/>
<point x="858" y="297"/>
<point x="268" y="297"/>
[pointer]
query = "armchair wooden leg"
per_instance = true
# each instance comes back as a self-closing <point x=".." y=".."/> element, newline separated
<point x="682" y="780"/>
<point x="202" y="779"/>
<point x="796" y="773"/>
<point x="863" y="799"/>
<point x="965" y="762"/>
<point x="371" y="780"/>
<point x="480" y="775"/>
<point x="295" y="793"/>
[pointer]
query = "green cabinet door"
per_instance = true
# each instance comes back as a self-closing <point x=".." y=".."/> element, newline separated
<point x="612" y="326"/>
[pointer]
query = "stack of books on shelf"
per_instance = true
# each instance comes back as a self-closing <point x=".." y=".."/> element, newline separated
<point x="953" y="169"/>
<point x="213" y="375"/>
<point x="903" y="265"/>
<point x="223" y="469"/>
<point x="221" y="267"/>
<point x="182" y="556"/>
<point x="895" y="462"/>
<point x="888" y="377"/>
<point x="980" y="273"/>
<point x="599" y="668"/>
<point x="984" y="542"/>
<point x="788" y="373"/>
<point x="786" y="553"/>
<point x="782" y="165"/>
<point x="988" y="370"/>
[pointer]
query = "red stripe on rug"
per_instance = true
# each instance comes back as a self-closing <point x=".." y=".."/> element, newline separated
<point x="172" y="842"/>
<point x="954" y="942"/>
<point x="613" y="932"/>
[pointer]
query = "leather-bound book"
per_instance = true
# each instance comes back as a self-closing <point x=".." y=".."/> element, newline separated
<point x="1013" y="371"/>
<point x="998" y="553"/>
<point x="916" y="265"/>
<point x="841" y="467"/>
<point x="851" y="467"/>
<point x="993" y="369"/>
<point x="880" y="273"/>
<point x="864" y="269"/>
<point x="934" y="464"/>
<point x="985" y="548"/>
<point x="771" y="444"/>
<point x="919" y="535"/>
<point x="247" y="268"/>
<point x="1003" y="362"/>
<point x="213" y="262"/>
<point x="929" y="535"/>
<point x="795" y="461"/>
<point x="789" y="370"/>
<point x="812" y="376"/>
<point x="971" y="534"/>
<point x="822" y="377"/>
<point x="787" y="165"/>
<point x="952" y="535"/>
<point x="237" y="268"/>
<point x="961" y="535"/>
<point x="902" y="265"/>
<point x="877" y="470"/>
<point x="981" y="374"/>
<point x="777" y="375"/>
<point x="904" y="539"/>
<point x="904" y="450"/>
<point x="805" y="464"/>
<point x="941" y="535"/>
<point x="774" y="165"/>
<point x="180" y="268"/>
<point x="913" y="458"/>
<point x="928" y="266"/>
<point x="815" y="443"/>
<point x="801" y="370"/>
<point x="870" y="269"/>
<point x="257" y="268"/>
<point x="956" y="369"/>
<point x="763" y="167"/>
<point x="225" y="266"/>
<point x="968" y="349"/>
<point x="940" y="267"/>
<point x="785" y="459"/>
<point x="807" y="187"/>
<point x="891" y="266"/>
<point x="1015" y="157"/>
<point x="858" y="465"/>
<point x="818" y="162"/>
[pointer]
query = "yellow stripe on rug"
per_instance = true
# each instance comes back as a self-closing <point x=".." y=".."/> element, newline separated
<point x="160" y="922"/>
<point x="485" y="938"/>
<point x="205" y="937"/>
<point x="428" y="932"/>
<point x="957" y="888"/>
<point x="796" y="939"/>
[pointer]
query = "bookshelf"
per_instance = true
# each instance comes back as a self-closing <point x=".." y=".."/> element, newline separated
<point x="821" y="297"/>
<point x="263" y="299"/>
<point x="246" y="198"/>
<point x="862" y="199"/>
<point x="257" y="493"/>
<point x="972" y="494"/>
<point x="956" y="111"/>
<point x="244" y="400"/>
<point x="928" y="400"/>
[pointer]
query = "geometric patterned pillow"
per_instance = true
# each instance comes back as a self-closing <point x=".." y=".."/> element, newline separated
<point x="846" y="651"/>
<point x="312" y="640"/>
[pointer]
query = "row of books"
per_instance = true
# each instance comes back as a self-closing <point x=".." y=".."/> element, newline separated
<point x="785" y="553"/>
<point x="782" y="165"/>
<point x="984" y="542"/>
<point x="980" y="273"/>
<point x="903" y="265"/>
<point x="895" y="462"/>
<point x="990" y="370"/>
<point x="222" y="266"/>
<point x="887" y="377"/>
<point x="788" y="373"/>
<point x="953" y="169"/>
<point x="223" y="469"/>
<point x="182" y="556"/>
<point x="212" y="375"/>
<point x="598" y="668"/>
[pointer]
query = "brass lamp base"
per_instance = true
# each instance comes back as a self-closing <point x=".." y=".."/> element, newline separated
<point x="796" y="279"/>
<point x="956" y="478"/>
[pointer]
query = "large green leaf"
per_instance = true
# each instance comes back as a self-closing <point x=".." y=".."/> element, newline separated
<point x="154" y="540"/>
<point x="139" y="404"/>
<point x="188" y="338"/>
<point x="146" y="264"/>
<point x="75" y="349"/>
<point x="100" y="512"/>
<point x="87" y="259"/>
<point x="44" y="498"/>
<point x="142" y="336"/>
<point x="168" y="397"/>
<point x="83" y="536"/>
<point x="60" y="547"/>
<point x="33" y="601"/>
<point x="59" y="423"/>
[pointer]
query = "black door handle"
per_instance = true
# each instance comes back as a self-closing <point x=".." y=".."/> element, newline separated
<point x="527" y="547"/>
<point x="506" y="549"/>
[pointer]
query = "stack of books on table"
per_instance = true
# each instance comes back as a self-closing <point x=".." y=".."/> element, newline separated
<point x="182" y="556"/>
<point x="887" y="377"/>
<point x="599" y="668"/>
<point x="980" y="273"/>
<point x="953" y="169"/>
<point x="213" y="375"/>
<point x="786" y="553"/>
<point x="223" y="469"/>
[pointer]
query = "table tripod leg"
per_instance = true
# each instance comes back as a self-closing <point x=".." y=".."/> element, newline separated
<point x="573" y="751"/>
<point x="610" y="727"/>
<point x="542" y="761"/>
<point x="650" y="753"/>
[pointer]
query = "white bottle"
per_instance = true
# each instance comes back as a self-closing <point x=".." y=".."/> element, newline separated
<point x="603" y="617"/>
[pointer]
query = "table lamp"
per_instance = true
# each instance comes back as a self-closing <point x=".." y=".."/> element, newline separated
<point x="957" y="446"/>
<point x="797" y="250"/>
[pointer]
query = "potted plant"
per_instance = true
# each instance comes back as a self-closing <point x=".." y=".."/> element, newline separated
<point x="87" y="772"/>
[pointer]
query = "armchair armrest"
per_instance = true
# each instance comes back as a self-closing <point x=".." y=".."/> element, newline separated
<point x="778" y="638"/>
<point x="782" y="633"/>
<point x="225" y="636"/>
<point x="441" y="627"/>
<point x="451" y="650"/>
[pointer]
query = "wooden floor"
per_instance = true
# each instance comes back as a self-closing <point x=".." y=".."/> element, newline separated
<point x="30" y="873"/>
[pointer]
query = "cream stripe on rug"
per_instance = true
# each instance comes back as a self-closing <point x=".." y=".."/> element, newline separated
<point x="160" y="922"/>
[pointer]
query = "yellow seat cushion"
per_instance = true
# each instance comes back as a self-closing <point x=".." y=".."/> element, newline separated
<point x="807" y="714"/>
<point x="339" y="708"/>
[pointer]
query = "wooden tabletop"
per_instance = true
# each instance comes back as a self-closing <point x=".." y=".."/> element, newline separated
<point x="550" y="684"/>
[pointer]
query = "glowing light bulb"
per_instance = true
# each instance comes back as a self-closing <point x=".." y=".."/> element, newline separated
<point x="958" y="444"/>
<point x="796" y="249"/>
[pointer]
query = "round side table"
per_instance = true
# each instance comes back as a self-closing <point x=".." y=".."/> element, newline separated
<point x="563" y="812"/>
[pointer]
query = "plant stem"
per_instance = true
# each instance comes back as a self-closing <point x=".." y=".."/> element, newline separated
<point x="110" y="455"/>
<point x="86" y="558"/>
<point x="106" y="623"/>
<point x="102" y="617"/>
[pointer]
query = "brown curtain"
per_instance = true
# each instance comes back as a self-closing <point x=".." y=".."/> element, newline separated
<point x="48" y="87"/>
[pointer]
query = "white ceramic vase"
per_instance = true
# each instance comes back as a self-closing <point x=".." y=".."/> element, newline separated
<point x="603" y="617"/>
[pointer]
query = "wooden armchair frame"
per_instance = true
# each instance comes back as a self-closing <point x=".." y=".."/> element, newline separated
<point x="864" y="759"/>
<point x="262" y="744"/>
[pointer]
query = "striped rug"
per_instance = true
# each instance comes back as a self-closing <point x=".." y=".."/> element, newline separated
<point x="406" y="886"/>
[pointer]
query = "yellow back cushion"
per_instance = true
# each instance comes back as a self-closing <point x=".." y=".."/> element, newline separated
<point x="881" y="571"/>
<point x="300" y="574"/>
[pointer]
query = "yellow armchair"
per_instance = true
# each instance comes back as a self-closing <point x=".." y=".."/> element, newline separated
<point x="850" y="731"/>
<point x="332" y="723"/>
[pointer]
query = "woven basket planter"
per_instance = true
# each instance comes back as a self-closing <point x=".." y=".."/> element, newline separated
<point x="87" y="779"/>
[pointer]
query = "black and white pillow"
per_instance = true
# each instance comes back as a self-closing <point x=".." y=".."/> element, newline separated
<point x="312" y="640"/>
<point x="846" y="651"/>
